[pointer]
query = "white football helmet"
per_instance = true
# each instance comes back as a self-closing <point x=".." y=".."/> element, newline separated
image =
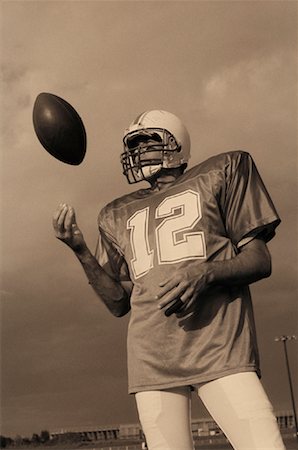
<point x="155" y="131"/>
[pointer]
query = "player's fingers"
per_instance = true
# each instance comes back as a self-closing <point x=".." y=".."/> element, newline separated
<point x="169" y="283"/>
<point x="188" y="304"/>
<point x="56" y="215"/>
<point x="173" y="295"/>
<point x="69" y="219"/>
<point x="174" y="308"/>
<point x="56" y="218"/>
<point x="163" y="283"/>
<point x="61" y="219"/>
<point x="188" y="299"/>
<point x="74" y="226"/>
<point x="167" y="286"/>
<point x="75" y="229"/>
<point x="73" y="213"/>
<point x="185" y="297"/>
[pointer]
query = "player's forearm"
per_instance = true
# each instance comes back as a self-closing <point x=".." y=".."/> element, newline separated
<point x="250" y="265"/>
<point x="109" y="290"/>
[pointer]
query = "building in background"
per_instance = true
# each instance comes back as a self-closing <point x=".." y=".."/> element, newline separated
<point x="204" y="427"/>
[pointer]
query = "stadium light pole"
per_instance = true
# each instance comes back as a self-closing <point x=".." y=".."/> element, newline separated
<point x="284" y="340"/>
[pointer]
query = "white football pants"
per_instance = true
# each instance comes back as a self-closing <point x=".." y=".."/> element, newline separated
<point x="238" y="403"/>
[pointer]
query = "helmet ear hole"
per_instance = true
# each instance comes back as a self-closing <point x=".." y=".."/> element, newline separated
<point x="172" y="142"/>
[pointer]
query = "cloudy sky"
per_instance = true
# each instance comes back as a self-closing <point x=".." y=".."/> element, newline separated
<point x="228" y="69"/>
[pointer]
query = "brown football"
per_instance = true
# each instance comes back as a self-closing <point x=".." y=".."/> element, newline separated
<point x="59" y="128"/>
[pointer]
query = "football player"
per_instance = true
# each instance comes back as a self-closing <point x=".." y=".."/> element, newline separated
<point x="180" y="256"/>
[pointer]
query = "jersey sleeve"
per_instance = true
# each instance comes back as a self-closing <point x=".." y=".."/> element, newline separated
<point x="109" y="255"/>
<point x="248" y="208"/>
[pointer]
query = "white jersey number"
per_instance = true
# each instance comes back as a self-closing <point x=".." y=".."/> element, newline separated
<point x="142" y="260"/>
<point x="175" y="239"/>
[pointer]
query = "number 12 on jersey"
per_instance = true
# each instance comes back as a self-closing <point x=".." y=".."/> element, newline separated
<point x="175" y="238"/>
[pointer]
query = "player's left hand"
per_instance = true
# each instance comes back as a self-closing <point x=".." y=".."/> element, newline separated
<point x="185" y="286"/>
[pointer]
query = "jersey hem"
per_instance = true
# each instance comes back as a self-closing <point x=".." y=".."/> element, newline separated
<point x="195" y="380"/>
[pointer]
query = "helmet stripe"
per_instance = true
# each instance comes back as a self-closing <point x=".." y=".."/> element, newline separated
<point x="138" y="119"/>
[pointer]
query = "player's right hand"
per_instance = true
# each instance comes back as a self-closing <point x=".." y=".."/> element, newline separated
<point x="66" y="228"/>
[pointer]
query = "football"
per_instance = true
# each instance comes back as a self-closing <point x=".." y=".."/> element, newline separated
<point x="59" y="128"/>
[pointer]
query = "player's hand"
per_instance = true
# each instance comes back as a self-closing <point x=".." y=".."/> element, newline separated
<point x="66" y="228"/>
<point x="179" y="292"/>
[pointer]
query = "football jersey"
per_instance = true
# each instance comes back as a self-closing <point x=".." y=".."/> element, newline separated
<point x="149" y="236"/>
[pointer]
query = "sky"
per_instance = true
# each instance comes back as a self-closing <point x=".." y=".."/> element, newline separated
<point x="228" y="69"/>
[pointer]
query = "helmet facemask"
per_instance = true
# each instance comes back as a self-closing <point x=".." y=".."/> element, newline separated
<point x="147" y="151"/>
